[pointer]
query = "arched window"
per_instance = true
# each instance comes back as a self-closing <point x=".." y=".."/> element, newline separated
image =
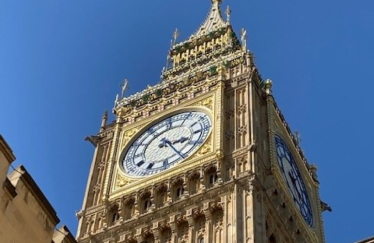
<point x="146" y="202"/>
<point x="114" y="214"/>
<point x="161" y="196"/>
<point x="178" y="189"/>
<point x="193" y="183"/>
<point x="180" y="192"/>
<point x="211" y="177"/>
<point x="115" y="217"/>
<point x="129" y="208"/>
<point x="201" y="240"/>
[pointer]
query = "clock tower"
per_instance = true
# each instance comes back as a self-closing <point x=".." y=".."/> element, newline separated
<point x="203" y="156"/>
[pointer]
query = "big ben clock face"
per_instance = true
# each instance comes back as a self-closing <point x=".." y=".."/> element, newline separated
<point x="294" y="180"/>
<point x="166" y="143"/>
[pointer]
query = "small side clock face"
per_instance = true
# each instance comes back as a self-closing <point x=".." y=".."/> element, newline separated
<point x="294" y="180"/>
<point x="166" y="143"/>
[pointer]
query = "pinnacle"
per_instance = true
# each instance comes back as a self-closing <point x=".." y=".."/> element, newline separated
<point x="213" y="21"/>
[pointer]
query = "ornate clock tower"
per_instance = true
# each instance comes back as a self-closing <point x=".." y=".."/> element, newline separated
<point x="204" y="156"/>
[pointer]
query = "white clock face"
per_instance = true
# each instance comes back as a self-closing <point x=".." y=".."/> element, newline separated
<point x="167" y="143"/>
<point x="294" y="180"/>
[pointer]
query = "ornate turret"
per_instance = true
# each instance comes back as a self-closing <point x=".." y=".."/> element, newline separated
<point x="214" y="39"/>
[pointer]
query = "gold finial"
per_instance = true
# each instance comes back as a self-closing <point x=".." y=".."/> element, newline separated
<point x="268" y="86"/>
<point x="175" y="35"/>
<point x="228" y="14"/>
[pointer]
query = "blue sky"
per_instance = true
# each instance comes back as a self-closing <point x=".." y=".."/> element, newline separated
<point x="62" y="62"/>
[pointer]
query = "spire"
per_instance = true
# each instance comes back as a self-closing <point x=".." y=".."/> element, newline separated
<point x="214" y="39"/>
<point x="104" y="120"/>
<point x="213" y="21"/>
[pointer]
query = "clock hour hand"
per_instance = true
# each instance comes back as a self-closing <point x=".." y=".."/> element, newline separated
<point x="163" y="143"/>
<point x="166" y="143"/>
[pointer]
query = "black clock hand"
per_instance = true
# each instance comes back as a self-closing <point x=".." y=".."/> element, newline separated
<point x="180" y="140"/>
<point x="162" y="143"/>
<point x="165" y="142"/>
<point x="294" y="179"/>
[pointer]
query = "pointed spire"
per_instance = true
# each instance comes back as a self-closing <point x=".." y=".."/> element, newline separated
<point x="104" y="120"/>
<point x="213" y="21"/>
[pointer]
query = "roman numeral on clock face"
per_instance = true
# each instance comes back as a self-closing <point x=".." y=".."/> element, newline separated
<point x="140" y="163"/>
<point x="150" y="166"/>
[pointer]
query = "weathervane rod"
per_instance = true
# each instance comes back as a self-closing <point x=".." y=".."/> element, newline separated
<point x="175" y="36"/>
<point x="124" y="87"/>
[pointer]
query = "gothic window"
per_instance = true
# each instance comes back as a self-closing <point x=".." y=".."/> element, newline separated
<point x="129" y="208"/>
<point x="146" y="202"/>
<point x="178" y="189"/>
<point x="193" y="183"/>
<point x="211" y="177"/>
<point x="98" y="223"/>
<point x="201" y="240"/>
<point x="161" y="196"/>
<point x="114" y="215"/>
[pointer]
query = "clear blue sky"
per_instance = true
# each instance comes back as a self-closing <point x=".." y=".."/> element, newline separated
<point x="61" y="64"/>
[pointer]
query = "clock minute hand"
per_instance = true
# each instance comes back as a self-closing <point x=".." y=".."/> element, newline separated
<point x="180" y="140"/>
<point x="294" y="179"/>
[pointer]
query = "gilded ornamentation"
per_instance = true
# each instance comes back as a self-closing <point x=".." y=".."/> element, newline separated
<point x="205" y="149"/>
<point x="219" y="154"/>
<point x="128" y="135"/>
<point x="121" y="181"/>
<point x="208" y="103"/>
